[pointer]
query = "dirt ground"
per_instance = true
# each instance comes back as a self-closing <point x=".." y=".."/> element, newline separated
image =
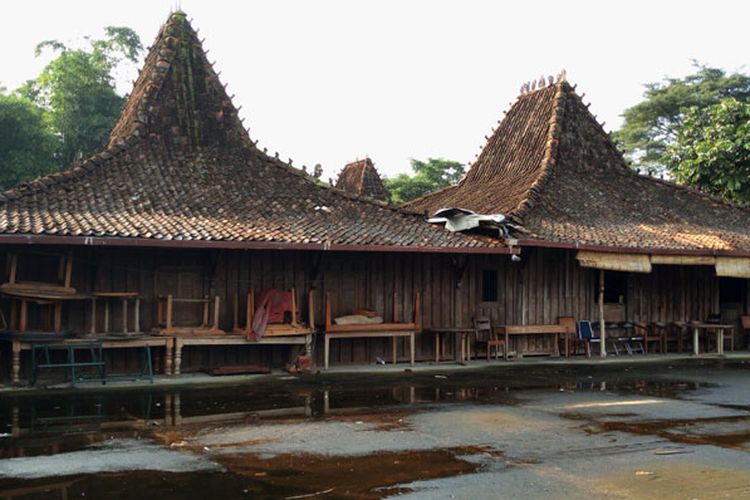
<point x="668" y="431"/>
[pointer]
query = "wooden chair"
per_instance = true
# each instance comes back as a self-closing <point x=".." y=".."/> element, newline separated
<point x="675" y="333"/>
<point x="651" y="333"/>
<point x="569" y="322"/>
<point x="746" y="328"/>
<point x="484" y="334"/>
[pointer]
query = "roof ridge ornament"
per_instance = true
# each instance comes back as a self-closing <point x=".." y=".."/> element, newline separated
<point x="542" y="82"/>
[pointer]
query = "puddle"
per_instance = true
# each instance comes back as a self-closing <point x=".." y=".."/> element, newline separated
<point x="66" y="434"/>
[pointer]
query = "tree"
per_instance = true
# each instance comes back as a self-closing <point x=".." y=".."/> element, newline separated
<point x="77" y="90"/>
<point x="712" y="150"/>
<point x="652" y="125"/>
<point x="429" y="176"/>
<point x="27" y="145"/>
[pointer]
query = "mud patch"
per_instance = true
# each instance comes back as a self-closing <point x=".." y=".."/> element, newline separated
<point x="728" y="432"/>
<point x="364" y="477"/>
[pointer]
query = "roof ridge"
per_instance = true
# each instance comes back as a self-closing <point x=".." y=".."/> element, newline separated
<point x="362" y="173"/>
<point x="550" y="155"/>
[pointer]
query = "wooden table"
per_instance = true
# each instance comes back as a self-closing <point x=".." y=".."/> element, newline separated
<point x="393" y="334"/>
<point x="464" y="334"/>
<point x="716" y="328"/>
<point x="20" y="344"/>
<point x="182" y="341"/>
<point x="554" y="329"/>
<point x="109" y="297"/>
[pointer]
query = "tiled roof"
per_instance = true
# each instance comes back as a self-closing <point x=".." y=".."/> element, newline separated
<point x="552" y="169"/>
<point x="361" y="178"/>
<point x="180" y="166"/>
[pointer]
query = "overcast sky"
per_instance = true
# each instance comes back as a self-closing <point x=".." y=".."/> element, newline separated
<point x="332" y="81"/>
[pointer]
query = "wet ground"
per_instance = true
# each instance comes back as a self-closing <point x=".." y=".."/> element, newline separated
<point x="667" y="431"/>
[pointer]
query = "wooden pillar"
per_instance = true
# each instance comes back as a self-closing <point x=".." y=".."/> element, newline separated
<point x="602" y="329"/>
<point x="15" y="369"/>
<point x="177" y="361"/>
<point x="169" y="347"/>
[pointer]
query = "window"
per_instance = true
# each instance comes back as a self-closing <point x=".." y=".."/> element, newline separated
<point x="730" y="290"/>
<point x="615" y="287"/>
<point x="489" y="285"/>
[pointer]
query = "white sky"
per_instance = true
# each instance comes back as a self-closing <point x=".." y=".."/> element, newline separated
<point x="331" y="81"/>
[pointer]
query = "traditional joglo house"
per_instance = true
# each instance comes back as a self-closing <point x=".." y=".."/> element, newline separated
<point x="184" y="238"/>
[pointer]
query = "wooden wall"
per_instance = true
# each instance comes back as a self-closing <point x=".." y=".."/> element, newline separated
<point x="544" y="285"/>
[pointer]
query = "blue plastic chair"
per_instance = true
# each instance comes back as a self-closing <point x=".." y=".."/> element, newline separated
<point x="587" y="334"/>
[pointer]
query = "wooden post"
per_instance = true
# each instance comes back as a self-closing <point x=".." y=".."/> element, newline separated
<point x="125" y="315"/>
<point x="328" y="312"/>
<point x="15" y="370"/>
<point x="106" y="316"/>
<point x="602" y="329"/>
<point x="137" y="315"/>
<point x="24" y="316"/>
<point x="295" y="316"/>
<point x="69" y="270"/>
<point x="93" y="316"/>
<point x="206" y="304"/>
<point x="311" y="310"/>
<point x="177" y="362"/>
<point x="217" y="310"/>
<point x="418" y="312"/>
<point x="250" y="313"/>
<point x="13" y="267"/>
<point x="169" y="352"/>
<point x="326" y="350"/>
<point x="57" y="326"/>
<point x="235" y="311"/>
<point x="168" y="324"/>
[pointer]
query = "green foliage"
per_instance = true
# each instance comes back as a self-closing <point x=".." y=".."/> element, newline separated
<point x="712" y="150"/>
<point x="429" y="176"/>
<point x="27" y="145"/>
<point x="652" y="125"/>
<point x="77" y="92"/>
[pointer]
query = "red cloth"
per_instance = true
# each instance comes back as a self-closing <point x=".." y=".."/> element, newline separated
<point x="272" y="306"/>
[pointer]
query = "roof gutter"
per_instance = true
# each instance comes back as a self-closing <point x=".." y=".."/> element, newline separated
<point x="636" y="250"/>
<point x="110" y="241"/>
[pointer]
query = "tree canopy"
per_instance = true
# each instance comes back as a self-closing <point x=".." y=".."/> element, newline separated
<point x="27" y="144"/>
<point x="712" y="150"/>
<point x="429" y="176"/>
<point x="76" y="90"/>
<point x="652" y="125"/>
